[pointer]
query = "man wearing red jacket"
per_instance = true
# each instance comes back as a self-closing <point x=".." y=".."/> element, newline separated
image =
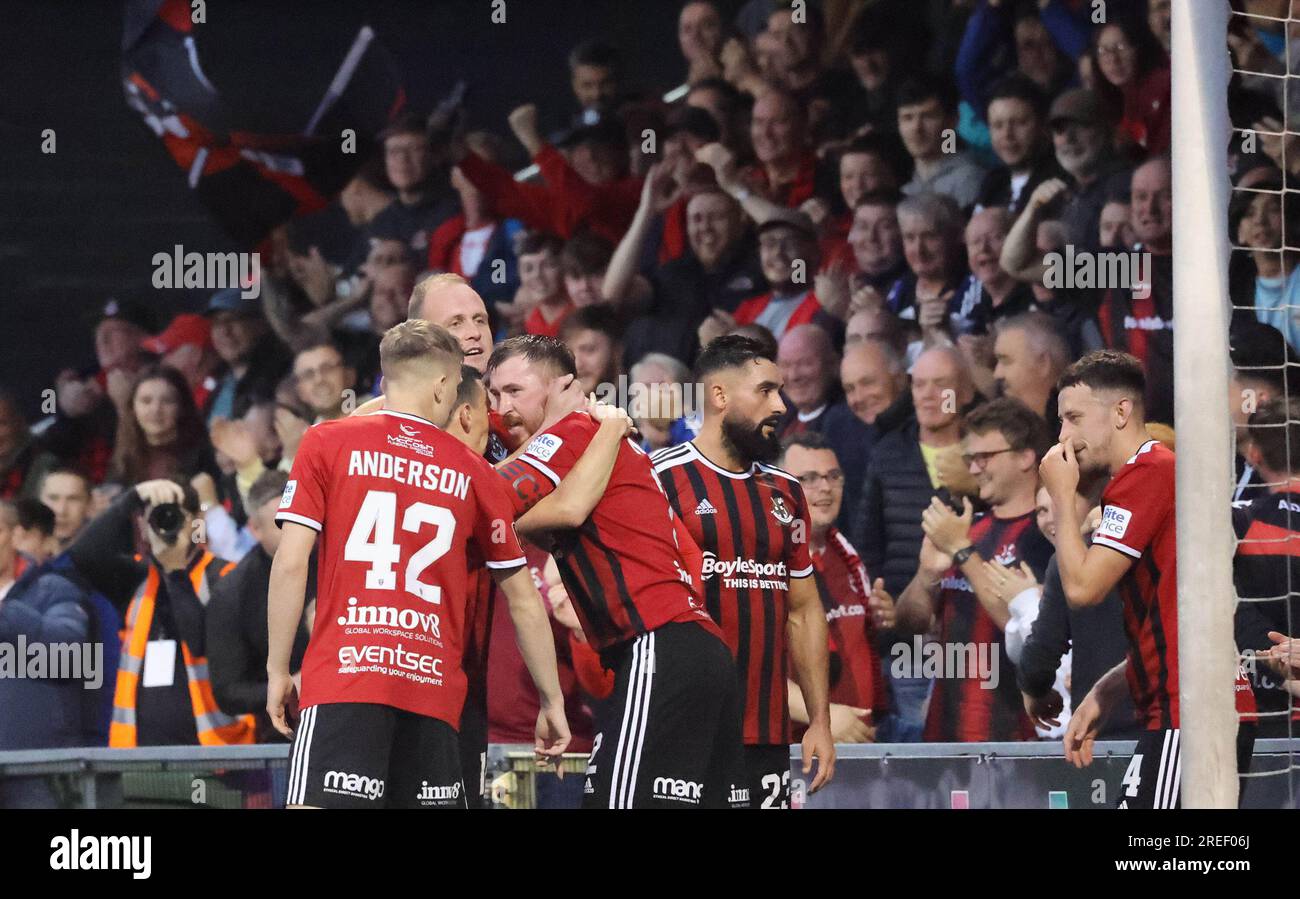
<point x="588" y="186"/>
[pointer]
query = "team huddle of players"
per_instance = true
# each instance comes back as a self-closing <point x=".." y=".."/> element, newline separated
<point x="418" y="532"/>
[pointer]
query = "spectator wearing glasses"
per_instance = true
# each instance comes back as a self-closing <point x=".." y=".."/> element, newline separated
<point x="1134" y="78"/>
<point x="423" y="198"/>
<point x="325" y="383"/>
<point x="859" y="615"/>
<point x="953" y="588"/>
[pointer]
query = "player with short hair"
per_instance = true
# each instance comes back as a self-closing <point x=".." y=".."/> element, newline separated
<point x="673" y="735"/>
<point x="396" y="503"/>
<point x="1103" y="431"/>
<point x="751" y="521"/>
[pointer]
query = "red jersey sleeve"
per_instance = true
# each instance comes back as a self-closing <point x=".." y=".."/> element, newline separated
<point x="1133" y="508"/>
<point x="494" y="527"/>
<point x="303" y="501"/>
<point x="546" y="459"/>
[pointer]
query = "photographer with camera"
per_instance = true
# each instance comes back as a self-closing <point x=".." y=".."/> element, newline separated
<point x="163" y="695"/>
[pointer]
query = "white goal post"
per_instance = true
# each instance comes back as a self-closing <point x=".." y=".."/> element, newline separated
<point x="1207" y="654"/>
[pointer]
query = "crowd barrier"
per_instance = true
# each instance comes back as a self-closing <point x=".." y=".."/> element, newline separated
<point x="876" y="776"/>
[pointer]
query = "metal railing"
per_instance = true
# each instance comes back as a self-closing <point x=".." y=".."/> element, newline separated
<point x="884" y="775"/>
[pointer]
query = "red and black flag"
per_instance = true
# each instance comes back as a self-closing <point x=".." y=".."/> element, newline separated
<point x="253" y="105"/>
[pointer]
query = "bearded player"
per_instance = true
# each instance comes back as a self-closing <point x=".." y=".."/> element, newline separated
<point x="396" y="503"/>
<point x="672" y="738"/>
<point x="751" y="521"/>
<point x="581" y="488"/>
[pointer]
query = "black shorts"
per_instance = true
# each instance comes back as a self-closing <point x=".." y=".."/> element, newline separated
<point x="362" y="755"/>
<point x="1154" y="773"/>
<point x="673" y="734"/>
<point x="473" y="752"/>
<point x="767" y="769"/>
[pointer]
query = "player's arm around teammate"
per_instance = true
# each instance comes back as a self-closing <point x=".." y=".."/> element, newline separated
<point x="537" y="646"/>
<point x="572" y="502"/>
<point x="1088" y="573"/>
<point x="810" y="656"/>
<point x="285" y="599"/>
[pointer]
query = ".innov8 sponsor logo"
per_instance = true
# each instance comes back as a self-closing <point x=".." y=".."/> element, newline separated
<point x="389" y="616"/>
<point x="438" y="793"/>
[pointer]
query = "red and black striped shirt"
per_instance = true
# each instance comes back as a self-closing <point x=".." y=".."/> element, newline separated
<point x="753" y="529"/>
<point x="624" y="570"/>
<point x="966" y="706"/>
<point x="1266" y="573"/>
<point x="1137" y="519"/>
<point x="845" y="587"/>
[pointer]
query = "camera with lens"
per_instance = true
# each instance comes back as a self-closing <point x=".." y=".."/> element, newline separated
<point x="166" y="520"/>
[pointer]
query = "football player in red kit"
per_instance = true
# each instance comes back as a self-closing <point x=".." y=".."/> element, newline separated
<point x="673" y="738"/>
<point x="750" y="519"/>
<point x="1103" y="430"/>
<point x="396" y="503"/>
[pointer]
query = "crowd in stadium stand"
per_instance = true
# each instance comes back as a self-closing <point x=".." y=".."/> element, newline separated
<point x="874" y="189"/>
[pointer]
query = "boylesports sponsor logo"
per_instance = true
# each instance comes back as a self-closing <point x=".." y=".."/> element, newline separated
<point x="677" y="790"/>
<point x="359" y="619"/>
<point x="757" y="575"/>
<point x="433" y="793"/>
<point x="356" y="785"/>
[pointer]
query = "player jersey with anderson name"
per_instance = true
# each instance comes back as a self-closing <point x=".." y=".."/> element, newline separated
<point x="624" y="569"/>
<point x="397" y="502"/>
<point x="753" y="529"/>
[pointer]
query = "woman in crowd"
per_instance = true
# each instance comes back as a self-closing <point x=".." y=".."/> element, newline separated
<point x="160" y="432"/>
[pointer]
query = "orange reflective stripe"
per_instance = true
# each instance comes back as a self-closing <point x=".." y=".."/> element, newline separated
<point x="122" y="732"/>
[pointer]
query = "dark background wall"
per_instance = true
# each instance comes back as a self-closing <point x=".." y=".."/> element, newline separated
<point x="83" y="224"/>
